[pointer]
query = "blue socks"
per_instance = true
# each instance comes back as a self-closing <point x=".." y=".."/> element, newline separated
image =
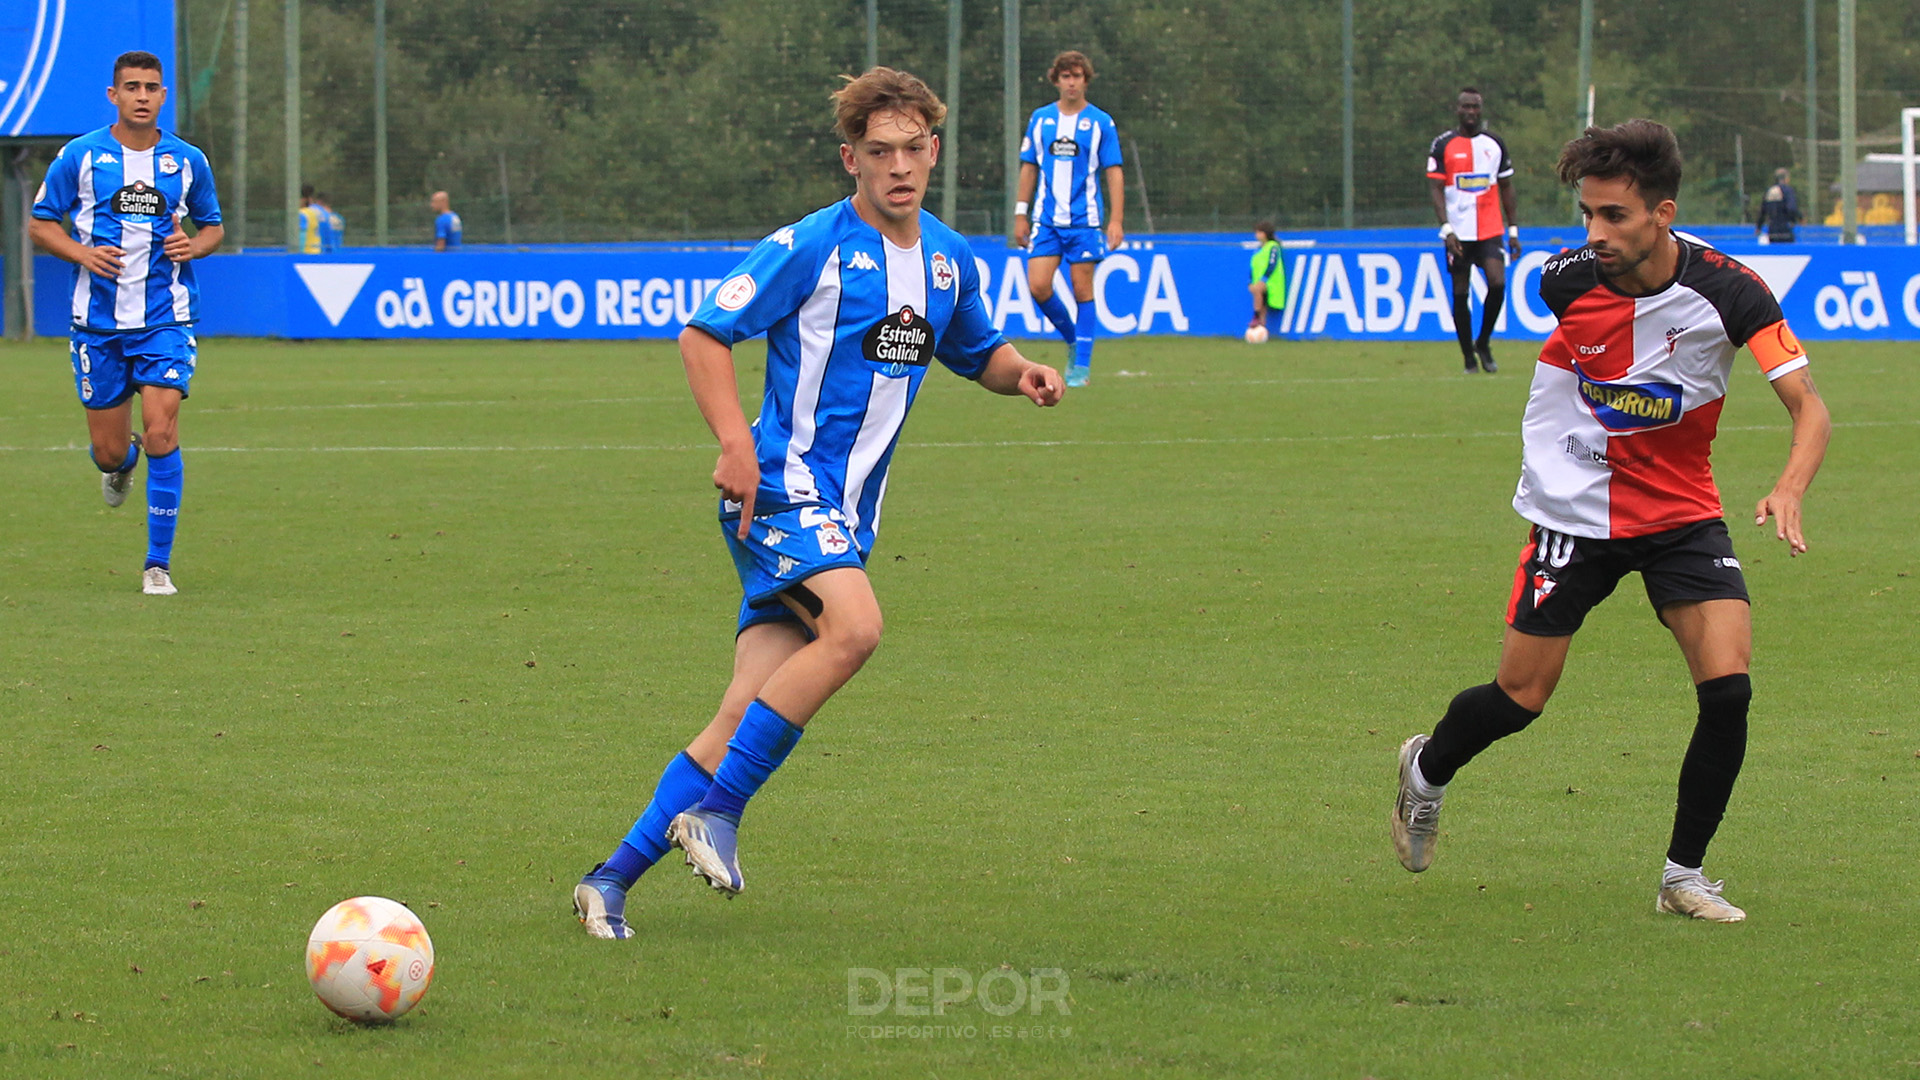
<point x="163" y="505"/>
<point x="133" y="458"/>
<point x="1083" y="335"/>
<point x="1055" y="309"/>
<point x="762" y="742"/>
<point x="680" y="787"/>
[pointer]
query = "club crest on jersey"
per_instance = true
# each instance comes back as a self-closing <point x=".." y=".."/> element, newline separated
<point x="139" y="200"/>
<point x="832" y="541"/>
<point x="1064" y="146"/>
<point x="734" y="294"/>
<point x="942" y="271"/>
<point x="1543" y="586"/>
<point x="1473" y="181"/>
<point x="1631" y="407"/>
<point x="168" y="165"/>
<point x="900" y="342"/>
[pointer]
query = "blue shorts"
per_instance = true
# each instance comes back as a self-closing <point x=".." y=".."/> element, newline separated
<point x="108" y="368"/>
<point x="1069" y="244"/>
<point x="782" y="549"/>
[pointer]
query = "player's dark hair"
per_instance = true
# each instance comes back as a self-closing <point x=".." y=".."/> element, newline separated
<point x="1643" y="151"/>
<point x="1265" y="229"/>
<point x="878" y="90"/>
<point x="306" y="191"/>
<point x="1071" y="60"/>
<point x="1470" y="90"/>
<point x="139" y="61"/>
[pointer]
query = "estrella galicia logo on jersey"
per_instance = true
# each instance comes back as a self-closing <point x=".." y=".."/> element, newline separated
<point x="942" y="271"/>
<point x="1064" y="147"/>
<point x="139" y="200"/>
<point x="168" y="165"/>
<point x="900" y="341"/>
<point x="1635" y="407"/>
<point x="1473" y="181"/>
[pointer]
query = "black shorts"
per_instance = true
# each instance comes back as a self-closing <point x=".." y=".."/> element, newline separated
<point x="1562" y="577"/>
<point x="1491" y="251"/>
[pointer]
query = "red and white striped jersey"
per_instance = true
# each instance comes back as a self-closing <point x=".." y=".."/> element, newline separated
<point x="1471" y="167"/>
<point x="1626" y="397"/>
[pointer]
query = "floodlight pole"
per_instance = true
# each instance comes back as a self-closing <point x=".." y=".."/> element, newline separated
<point x="237" y="182"/>
<point x="15" y="246"/>
<point x="1346" y="113"/>
<point x="380" y="122"/>
<point x="1011" y="120"/>
<point x="1812" y="180"/>
<point x="1908" y="163"/>
<point x="950" y="145"/>
<point x="873" y="34"/>
<point x="1583" y="92"/>
<point x="1849" y="118"/>
<point x="292" y="93"/>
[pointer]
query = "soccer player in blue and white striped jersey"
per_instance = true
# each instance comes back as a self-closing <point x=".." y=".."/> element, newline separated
<point x="1070" y="149"/>
<point x="856" y="301"/>
<point x="127" y="187"/>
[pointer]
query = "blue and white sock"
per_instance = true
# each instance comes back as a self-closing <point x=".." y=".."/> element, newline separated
<point x="1083" y="335"/>
<point x="762" y="741"/>
<point x="680" y="788"/>
<point x="1055" y="309"/>
<point x="164" y="475"/>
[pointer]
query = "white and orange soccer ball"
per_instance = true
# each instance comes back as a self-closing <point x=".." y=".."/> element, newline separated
<point x="1256" y="334"/>
<point x="369" y="959"/>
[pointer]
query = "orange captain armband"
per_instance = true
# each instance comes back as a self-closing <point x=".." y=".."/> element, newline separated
<point x="1777" y="350"/>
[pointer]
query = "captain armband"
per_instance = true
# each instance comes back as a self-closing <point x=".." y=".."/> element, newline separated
<point x="1777" y="350"/>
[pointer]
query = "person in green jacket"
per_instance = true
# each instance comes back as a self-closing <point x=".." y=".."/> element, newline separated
<point x="1269" y="285"/>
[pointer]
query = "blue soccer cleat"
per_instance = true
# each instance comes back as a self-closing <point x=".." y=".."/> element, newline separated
<point x="711" y="842"/>
<point x="1078" y="374"/>
<point x="601" y="905"/>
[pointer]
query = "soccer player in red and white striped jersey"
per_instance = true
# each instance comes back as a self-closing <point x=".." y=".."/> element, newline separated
<point x="1615" y="478"/>
<point x="1472" y="184"/>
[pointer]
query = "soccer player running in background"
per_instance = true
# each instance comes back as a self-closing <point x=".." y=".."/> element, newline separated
<point x="446" y="223"/>
<point x="127" y="188"/>
<point x="1615" y="478"/>
<point x="855" y="300"/>
<point x="1069" y="151"/>
<point x="1472" y="184"/>
<point x="1269" y="285"/>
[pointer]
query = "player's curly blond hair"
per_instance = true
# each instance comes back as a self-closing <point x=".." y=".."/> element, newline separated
<point x="878" y="90"/>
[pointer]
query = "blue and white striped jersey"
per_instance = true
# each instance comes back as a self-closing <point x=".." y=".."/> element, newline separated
<point x="132" y="200"/>
<point x="1071" y="153"/>
<point x="851" y="323"/>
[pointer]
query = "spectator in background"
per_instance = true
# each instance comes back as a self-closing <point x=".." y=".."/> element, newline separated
<point x="332" y="226"/>
<point x="1269" y="286"/>
<point x="1779" y="212"/>
<point x="311" y="220"/>
<point x="446" y="223"/>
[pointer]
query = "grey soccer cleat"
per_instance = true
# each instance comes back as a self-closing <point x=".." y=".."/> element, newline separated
<point x="115" y="485"/>
<point x="155" y="581"/>
<point x="1697" y="898"/>
<point x="1416" y="821"/>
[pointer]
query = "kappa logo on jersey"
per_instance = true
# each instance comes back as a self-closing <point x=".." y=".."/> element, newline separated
<point x="139" y="200"/>
<point x="787" y="563"/>
<point x="1473" y="182"/>
<point x="1064" y="146"/>
<point x="172" y="373"/>
<point x="734" y="295"/>
<point x="1634" y="407"/>
<point x="168" y="165"/>
<point x="832" y="541"/>
<point x="902" y="340"/>
<point x="105" y="159"/>
<point x="774" y="538"/>
<point x="783" y="237"/>
<point x="862" y="261"/>
<point x="942" y="271"/>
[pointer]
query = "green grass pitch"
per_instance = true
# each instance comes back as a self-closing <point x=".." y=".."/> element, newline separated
<point x="446" y="609"/>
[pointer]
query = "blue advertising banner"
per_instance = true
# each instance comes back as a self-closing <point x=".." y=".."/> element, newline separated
<point x="1166" y="285"/>
<point x="56" y="61"/>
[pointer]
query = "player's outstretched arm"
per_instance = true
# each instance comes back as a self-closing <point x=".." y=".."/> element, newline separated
<point x="710" y="375"/>
<point x="1007" y="372"/>
<point x="1812" y="426"/>
<point x="1022" y="221"/>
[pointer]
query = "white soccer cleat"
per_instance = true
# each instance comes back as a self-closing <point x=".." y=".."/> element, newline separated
<point x="1416" y="821"/>
<point x="155" y="581"/>
<point x="1697" y="898"/>
<point x="115" y="485"/>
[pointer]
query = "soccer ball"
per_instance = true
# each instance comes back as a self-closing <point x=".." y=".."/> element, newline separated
<point x="369" y="959"/>
<point x="1256" y="335"/>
